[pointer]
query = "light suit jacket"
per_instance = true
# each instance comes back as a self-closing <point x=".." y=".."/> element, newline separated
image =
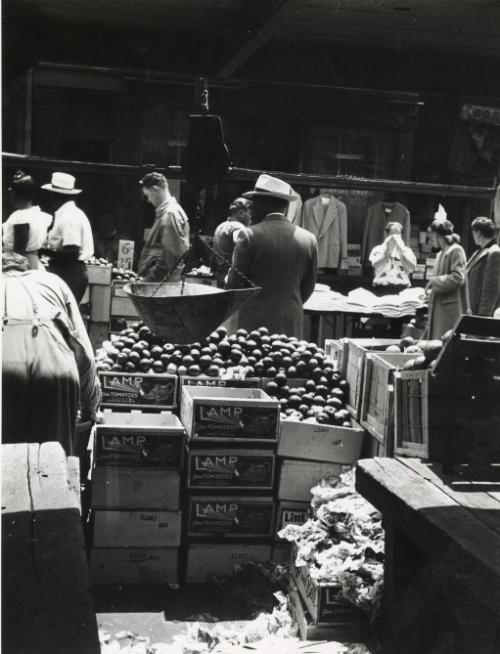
<point x="282" y="259"/>
<point x="483" y="272"/>
<point x="329" y="225"/>
<point x="449" y="298"/>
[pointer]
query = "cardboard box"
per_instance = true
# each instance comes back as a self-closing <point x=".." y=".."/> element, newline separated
<point x="230" y="517"/>
<point x="291" y="513"/>
<point x="135" y="488"/>
<point x="99" y="275"/>
<point x="314" y="442"/>
<point x="229" y="468"/>
<point x="298" y="477"/>
<point x="323" y="600"/>
<point x="146" y="440"/>
<point x="246" y="413"/>
<point x="137" y="528"/>
<point x="205" y="560"/>
<point x="134" y="565"/>
<point x="137" y="390"/>
<point x="217" y="382"/>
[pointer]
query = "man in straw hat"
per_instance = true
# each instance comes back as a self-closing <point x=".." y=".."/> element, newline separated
<point x="70" y="240"/>
<point x="279" y="257"/>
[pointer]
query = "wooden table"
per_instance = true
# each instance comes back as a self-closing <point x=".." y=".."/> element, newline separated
<point x="343" y="323"/>
<point x="442" y="563"/>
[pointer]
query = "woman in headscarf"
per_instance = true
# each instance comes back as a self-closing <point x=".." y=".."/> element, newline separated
<point x="48" y="370"/>
<point x="447" y="290"/>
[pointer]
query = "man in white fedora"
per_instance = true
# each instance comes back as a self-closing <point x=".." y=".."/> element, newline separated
<point x="70" y="241"/>
<point x="279" y="257"/>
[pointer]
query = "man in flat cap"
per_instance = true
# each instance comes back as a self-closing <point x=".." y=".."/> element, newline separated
<point x="168" y="238"/>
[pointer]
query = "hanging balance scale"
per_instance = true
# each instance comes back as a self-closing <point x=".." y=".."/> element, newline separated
<point x="181" y="312"/>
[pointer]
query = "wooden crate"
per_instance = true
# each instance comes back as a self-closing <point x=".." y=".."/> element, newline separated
<point x="135" y="488"/>
<point x="308" y="630"/>
<point x="134" y="565"/>
<point x="314" y="442"/>
<point x="123" y="307"/>
<point x="354" y="367"/>
<point x="99" y="275"/>
<point x="323" y="600"/>
<point x="411" y="422"/>
<point x="136" y="528"/>
<point x="46" y="603"/>
<point x="230" y="517"/>
<point x="334" y="351"/>
<point x="98" y="332"/>
<point x="377" y="407"/>
<point x="296" y="478"/>
<point x="239" y="413"/>
<point x="137" y="439"/>
<point x="100" y="299"/>
<point x="227" y="468"/>
<point x="207" y="559"/>
<point x="134" y="390"/>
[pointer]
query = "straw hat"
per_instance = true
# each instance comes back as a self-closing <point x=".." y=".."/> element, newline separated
<point x="62" y="183"/>
<point x="271" y="187"/>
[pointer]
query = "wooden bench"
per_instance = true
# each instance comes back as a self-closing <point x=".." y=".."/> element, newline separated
<point x="442" y="565"/>
<point x="46" y="603"/>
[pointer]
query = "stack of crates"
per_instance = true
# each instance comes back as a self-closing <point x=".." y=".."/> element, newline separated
<point x="137" y="460"/>
<point x="232" y="437"/>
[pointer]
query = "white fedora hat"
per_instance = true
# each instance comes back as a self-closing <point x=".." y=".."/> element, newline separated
<point x="62" y="183"/>
<point x="271" y="187"/>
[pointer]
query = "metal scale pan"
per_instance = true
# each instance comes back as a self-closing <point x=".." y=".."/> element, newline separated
<point x="184" y="313"/>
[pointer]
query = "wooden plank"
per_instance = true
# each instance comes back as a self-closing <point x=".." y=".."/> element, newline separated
<point x="482" y="505"/>
<point x="436" y="523"/>
<point x="21" y="599"/>
<point x="59" y="552"/>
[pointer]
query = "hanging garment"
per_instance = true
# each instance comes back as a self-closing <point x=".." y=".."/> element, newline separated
<point x="374" y="230"/>
<point x="329" y="225"/>
<point x="294" y="211"/>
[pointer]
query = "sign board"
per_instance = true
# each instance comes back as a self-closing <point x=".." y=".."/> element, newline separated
<point x="125" y="254"/>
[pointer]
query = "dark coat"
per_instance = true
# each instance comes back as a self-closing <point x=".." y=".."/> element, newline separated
<point x="448" y="298"/>
<point x="282" y="259"/>
<point x="483" y="271"/>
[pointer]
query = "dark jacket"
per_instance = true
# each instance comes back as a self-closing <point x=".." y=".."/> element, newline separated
<point x="282" y="259"/>
<point x="483" y="271"/>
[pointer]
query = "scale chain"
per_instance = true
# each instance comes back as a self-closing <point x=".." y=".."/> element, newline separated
<point x="185" y="257"/>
